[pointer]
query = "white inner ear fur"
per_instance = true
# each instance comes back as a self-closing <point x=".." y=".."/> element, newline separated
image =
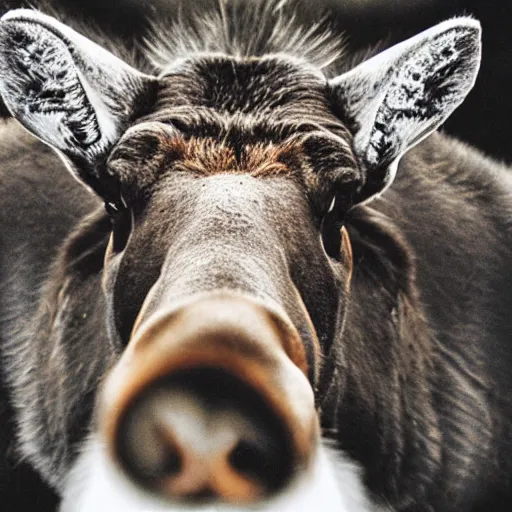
<point x="64" y="88"/>
<point x="401" y="95"/>
<point x="95" y="484"/>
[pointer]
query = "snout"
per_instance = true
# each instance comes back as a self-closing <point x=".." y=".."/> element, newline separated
<point x="210" y="402"/>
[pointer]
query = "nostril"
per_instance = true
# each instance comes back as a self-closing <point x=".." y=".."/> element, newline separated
<point x="172" y="464"/>
<point x="250" y="459"/>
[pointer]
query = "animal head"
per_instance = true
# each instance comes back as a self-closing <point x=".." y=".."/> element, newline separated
<point x="227" y="275"/>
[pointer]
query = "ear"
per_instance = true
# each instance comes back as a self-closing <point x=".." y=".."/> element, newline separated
<point x="68" y="91"/>
<point x="400" y="96"/>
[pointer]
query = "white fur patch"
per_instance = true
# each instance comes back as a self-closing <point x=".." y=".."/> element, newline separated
<point x="94" y="484"/>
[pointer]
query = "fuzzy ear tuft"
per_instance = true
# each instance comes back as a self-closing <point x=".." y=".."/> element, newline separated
<point x="65" y="89"/>
<point x="400" y="96"/>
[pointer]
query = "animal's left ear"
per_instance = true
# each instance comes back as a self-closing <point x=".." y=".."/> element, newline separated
<point x="401" y="95"/>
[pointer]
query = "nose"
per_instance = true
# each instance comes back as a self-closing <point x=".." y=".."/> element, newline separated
<point x="204" y="434"/>
<point x="208" y="404"/>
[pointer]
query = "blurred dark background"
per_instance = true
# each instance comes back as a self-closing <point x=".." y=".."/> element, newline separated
<point x="482" y="120"/>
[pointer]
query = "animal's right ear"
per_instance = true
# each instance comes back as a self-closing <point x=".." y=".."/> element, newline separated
<point x="68" y="91"/>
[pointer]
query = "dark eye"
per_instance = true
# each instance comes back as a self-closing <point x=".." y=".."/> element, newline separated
<point x="122" y="220"/>
<point x="331" y="231"/>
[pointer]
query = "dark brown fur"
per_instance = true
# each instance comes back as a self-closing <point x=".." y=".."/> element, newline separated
<point x="413" y="377"/>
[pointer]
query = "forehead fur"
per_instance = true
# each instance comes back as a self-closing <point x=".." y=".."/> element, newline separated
<point x="206" y="156"/>
<point x="223" y="114"/>
<point x="217" y="114"/>
<point x="152" y="152"/>
<point x="228" y="91"/>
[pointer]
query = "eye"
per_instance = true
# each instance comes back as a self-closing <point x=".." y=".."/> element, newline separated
<point x="331" y="230"/>
<point x="122" y="221"/>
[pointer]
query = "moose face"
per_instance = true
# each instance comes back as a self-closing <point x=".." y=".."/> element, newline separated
<point x="227" y="274"/>
<point x="212" y="273"/>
